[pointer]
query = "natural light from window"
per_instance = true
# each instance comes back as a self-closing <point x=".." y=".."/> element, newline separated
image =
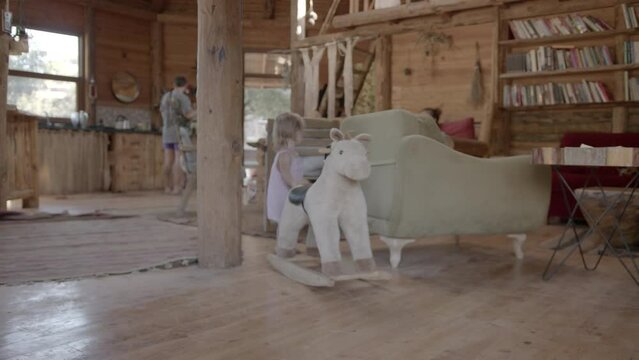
<point x="45" y="80"/>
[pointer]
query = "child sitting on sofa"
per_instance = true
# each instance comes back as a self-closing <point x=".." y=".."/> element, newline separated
<point x="435" y="113"/>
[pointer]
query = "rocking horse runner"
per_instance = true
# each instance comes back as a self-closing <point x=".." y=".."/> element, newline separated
<point x="335" y="201"/>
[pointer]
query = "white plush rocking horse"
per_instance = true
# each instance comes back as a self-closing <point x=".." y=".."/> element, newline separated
<point x="335" y="201"/>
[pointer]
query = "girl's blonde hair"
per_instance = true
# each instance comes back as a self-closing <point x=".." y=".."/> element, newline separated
<point x="285" y="128"/>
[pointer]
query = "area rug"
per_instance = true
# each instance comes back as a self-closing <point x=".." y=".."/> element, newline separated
<point x="251" y="221"/>
<point x="38" y="250"/>
<point x="38" y="216"/>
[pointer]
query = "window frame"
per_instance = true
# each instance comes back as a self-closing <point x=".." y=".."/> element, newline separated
<point x="79" y="80"/>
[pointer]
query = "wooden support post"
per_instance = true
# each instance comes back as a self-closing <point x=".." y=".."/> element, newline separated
<point x="332" y="78"/>
<point x="485" y="129"/>
<point x="4" y="76"/>
<point x="383" y="86"/>
<point x="89" y="62"/>
<point x="157" y="48"/>
<point x="219" y="147"/>
<point x="347" y="49"/>
<point x="298" y="32"/>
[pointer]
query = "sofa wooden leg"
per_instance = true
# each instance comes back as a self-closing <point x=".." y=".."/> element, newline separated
<point x="395" y="247"/>
<point x="518" y="244"/>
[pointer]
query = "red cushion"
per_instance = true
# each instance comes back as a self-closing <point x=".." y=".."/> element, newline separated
<point x="600" y="139"/>
<point x="576" y="175"/>
<point x="463" y="129"/>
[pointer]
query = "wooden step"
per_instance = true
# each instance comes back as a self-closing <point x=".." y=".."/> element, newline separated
<point x="321" y="123"/>
<point x="316" y="142"/>
<point x="316" y="133"/>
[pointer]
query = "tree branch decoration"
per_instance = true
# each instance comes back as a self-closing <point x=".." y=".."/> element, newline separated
<point x="433" y="42"/>
<point x="477" y="85"/>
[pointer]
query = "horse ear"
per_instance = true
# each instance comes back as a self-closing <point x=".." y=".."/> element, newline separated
<point x="363" y="138"/>
<point x="337" y="135"/>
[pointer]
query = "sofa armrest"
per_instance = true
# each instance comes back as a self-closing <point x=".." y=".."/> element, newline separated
<point x="440" y="191"/>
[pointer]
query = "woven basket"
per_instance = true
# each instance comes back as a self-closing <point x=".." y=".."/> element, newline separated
<point x="593" y="203"/>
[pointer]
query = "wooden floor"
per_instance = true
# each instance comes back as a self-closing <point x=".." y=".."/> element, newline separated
<point x="474" y="301"/>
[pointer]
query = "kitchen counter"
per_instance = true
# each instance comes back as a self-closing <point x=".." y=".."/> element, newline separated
<point x="99" y="159"/>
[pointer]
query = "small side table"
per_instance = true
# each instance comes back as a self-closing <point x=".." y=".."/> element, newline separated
<point x="616" y="205"/>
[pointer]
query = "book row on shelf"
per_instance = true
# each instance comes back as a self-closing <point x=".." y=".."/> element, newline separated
<point x="584" y="92"/>
<point x="631" y="52"/>
<point x="556" y="26"/>
<point x="548" y="58"/>
<point x="631" y="86"/>
<point x="629" y="16"/>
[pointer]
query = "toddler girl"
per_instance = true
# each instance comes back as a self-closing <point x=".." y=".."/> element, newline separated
<point x="287" y="170"/>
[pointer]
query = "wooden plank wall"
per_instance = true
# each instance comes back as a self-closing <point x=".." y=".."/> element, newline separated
<point x="535" y="129"/>
<point x="72" y="161"/>
<point x="180" y="53"/>
<point x="420" y="81"/>
<point x="122" y="44"/>
<point x="52" y="15"/>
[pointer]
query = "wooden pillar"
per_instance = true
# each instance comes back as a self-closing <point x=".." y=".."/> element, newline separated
<point x="4" y="76"/>
<point x="298" y="32"/>
<point x="157" y="48"/>
<point x="89" y="62"/>
<point x="383" y="86"/>
<point x="219" y="147"/>
<point x="494" y="114"/>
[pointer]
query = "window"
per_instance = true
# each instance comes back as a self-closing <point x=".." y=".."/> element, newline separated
<point x="46" y="81"/>
<point x="266" y="94"/>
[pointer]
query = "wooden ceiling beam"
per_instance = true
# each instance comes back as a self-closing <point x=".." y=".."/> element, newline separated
<point x="410" y="10"/>
<point x="133" y="8"/>
<point x="461" y="18"/>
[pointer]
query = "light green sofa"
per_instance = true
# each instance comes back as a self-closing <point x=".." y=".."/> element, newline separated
<point x="419" y="187"/>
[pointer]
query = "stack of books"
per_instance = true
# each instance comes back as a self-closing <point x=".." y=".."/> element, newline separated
<point x="584" y="92"/>
<point x="631" y="52"/>
<point x="547" y="58"/>
<point x="556" y="26"/>
<point x="629" y="16"/>
<point x="632" y="87"/>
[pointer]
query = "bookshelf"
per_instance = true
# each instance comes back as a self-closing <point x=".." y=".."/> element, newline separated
<point x="554" y="56"/>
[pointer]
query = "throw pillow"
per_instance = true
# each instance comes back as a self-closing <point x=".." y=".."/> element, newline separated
<point x="463" y="129"/>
